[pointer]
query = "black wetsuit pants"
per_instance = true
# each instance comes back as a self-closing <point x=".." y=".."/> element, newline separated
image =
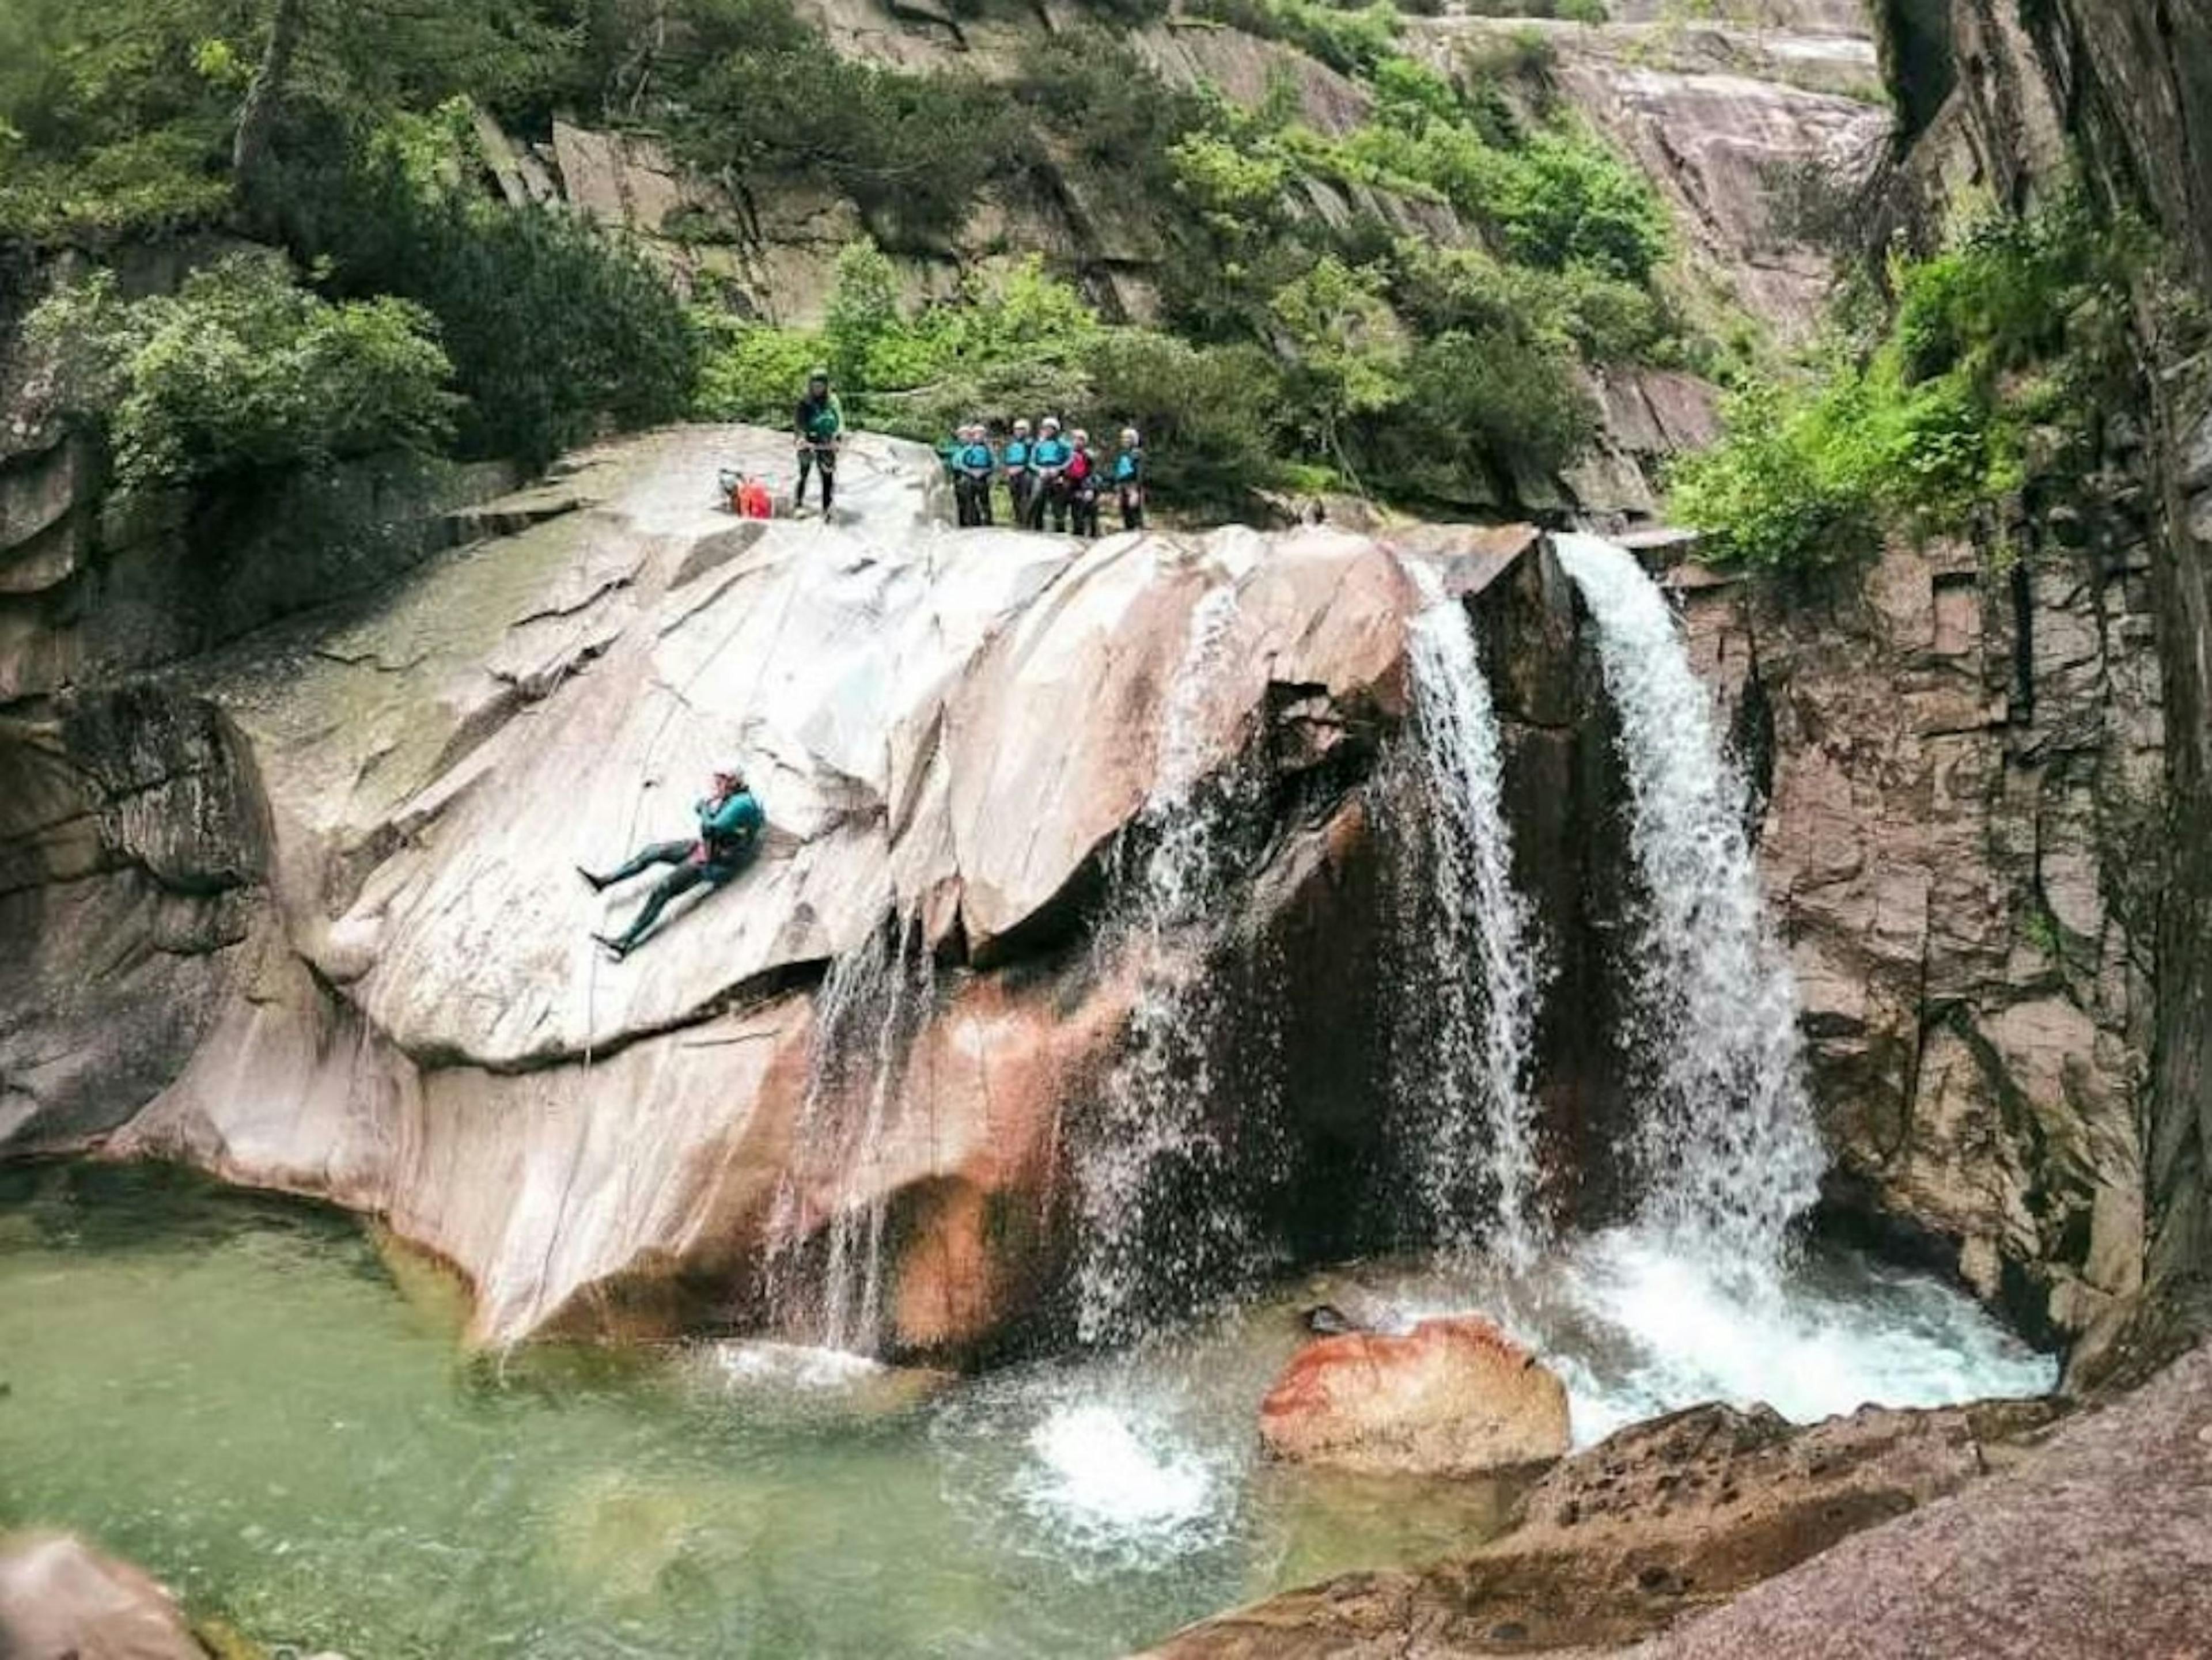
<point x="972" y="496"/>
<point x="823" y="456"/>
<point x="687" y="875"/>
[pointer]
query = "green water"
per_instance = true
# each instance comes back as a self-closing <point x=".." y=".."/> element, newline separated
<point x="234" y="1391"/>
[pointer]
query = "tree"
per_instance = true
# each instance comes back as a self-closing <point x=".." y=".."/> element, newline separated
<point x="1345" y="350"/>
<point x="243" y="370"/>
<point x="257" y="117"/>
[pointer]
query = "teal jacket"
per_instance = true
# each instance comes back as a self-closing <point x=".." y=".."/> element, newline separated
<point x="729" y="825"/>
<point x="976" y="460"/>
<point x="1050" y="454"/>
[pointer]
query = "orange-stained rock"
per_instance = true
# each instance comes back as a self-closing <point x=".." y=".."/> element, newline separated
<point x="1451" y="1397"/>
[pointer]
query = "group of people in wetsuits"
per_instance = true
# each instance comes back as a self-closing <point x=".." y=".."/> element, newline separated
<point x="1048" y="476"/>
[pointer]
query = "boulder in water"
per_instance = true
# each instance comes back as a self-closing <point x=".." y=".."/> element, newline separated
<point x="1451" y="1397"/>
<point x="1655" y="1523"/>
<point x="61" y="1600"/>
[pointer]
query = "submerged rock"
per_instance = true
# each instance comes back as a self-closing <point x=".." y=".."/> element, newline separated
<point x="61" y="1600"/>
<point x="1451" y="1397"/>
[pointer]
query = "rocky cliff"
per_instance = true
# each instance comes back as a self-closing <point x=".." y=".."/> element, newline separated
<point x="1722" y="113"/>
<point x="1985" y="761"/>
<point x="303" y="911"/>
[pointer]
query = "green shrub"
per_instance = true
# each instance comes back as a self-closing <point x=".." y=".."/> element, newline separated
<point x="557" y="329"/>
<point x="1562" y="199"/>
<point x="753" y="371"/>
<point x="910" y="150"/>
<point x="1206" y="413"/>
<point x="1998" y="353"/>
<point x="1346" y="40"/>
<point x="243" y="370"/>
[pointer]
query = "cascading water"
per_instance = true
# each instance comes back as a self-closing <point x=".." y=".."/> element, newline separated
<point x="866" y="1016"/>
<point x="1159" y="1225"/>
<point x="1471" y="946"/>
<point x="1726" y="1152"/>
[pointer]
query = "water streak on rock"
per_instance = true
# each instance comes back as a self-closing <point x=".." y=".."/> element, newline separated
<point x="1468" y="943"/>
<point x="870" y="1005"/>
<point x="1726" y="1152"/>
<point x="1160" y="1229"/>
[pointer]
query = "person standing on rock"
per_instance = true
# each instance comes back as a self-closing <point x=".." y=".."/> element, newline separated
<point x="818" y="425"/>
<point x="730" y="823"/>
<point x="1082" y="478"/>
<point x="1050" y="457"/>
<point x="1129" y="479"/>
<point x="1020" y="480"/>
<point x="975" y="468"/>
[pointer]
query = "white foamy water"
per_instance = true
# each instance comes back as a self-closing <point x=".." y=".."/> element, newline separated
<point x="1726" y="1152"/>
<point x="1636" y="1328"/>
<point x="752" y="1363"/>
<point x="1465" y="1102"/>
<point x="1159" y="1224"/>
<point x="865" y="1016"/>
<point x="1106" y="1480"/>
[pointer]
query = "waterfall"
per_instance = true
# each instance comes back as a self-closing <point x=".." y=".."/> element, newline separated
<point x="866" y="1016"/>
<point x="1160" y="1227"/>
<point x="1725" y="1151"/>
<point x="1469" y="943"/>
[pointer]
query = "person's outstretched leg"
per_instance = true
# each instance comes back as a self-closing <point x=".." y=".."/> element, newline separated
<point x="806" y="466"/>
<point x="681" y="880"/>
<point x="659" y="853"/>
<point x="827" y="462"/>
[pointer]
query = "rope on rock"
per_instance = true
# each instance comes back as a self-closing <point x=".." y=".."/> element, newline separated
<point x="681" y="700"/>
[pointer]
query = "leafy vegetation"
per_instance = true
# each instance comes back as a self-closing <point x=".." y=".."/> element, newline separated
<point x="555" y="328"/>
<point x="1405" y="306"/>
<point x="1997" y="352"/>
<point x="244" y="370"/>
<point x="772" y="99"/>
<point x="1019" y="340"/>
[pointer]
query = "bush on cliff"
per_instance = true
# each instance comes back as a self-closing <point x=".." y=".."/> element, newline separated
<point x="1017" y="343"/>
<point x="1993" y="355"/>
<point x="556" y="329"/>
<point x="243" y="370"/>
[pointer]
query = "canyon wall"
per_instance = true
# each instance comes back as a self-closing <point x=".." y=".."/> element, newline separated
<point x="303" y="909"/>
<point x="1986" y="760"/>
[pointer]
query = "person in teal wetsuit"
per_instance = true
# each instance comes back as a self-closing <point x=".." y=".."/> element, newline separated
<point x="1019" y="478"/>
<point x="730" y="825"/>
<point x="1129" y="479"/>
<point x="818" y="425"/>
<point x="975" y="465"/>
<point x="1050" y="456"/>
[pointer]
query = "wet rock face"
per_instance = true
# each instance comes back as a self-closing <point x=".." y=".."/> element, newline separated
<point x="315" y="896"/>
<point x="1451" y="1397"/>
<point x="1965" y="775"/>
<point x="61" y="1600"/>
<point x="130" y="854"/>
<point x="1988" y="828"/>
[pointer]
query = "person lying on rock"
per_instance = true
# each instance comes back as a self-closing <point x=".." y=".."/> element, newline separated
<point x="730" y="823"/>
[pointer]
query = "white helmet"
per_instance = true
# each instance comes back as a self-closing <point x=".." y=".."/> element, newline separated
<point x="1050" y="423"/>
<point x="1022" y="427"/>
<point x="1129" y="439"/>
